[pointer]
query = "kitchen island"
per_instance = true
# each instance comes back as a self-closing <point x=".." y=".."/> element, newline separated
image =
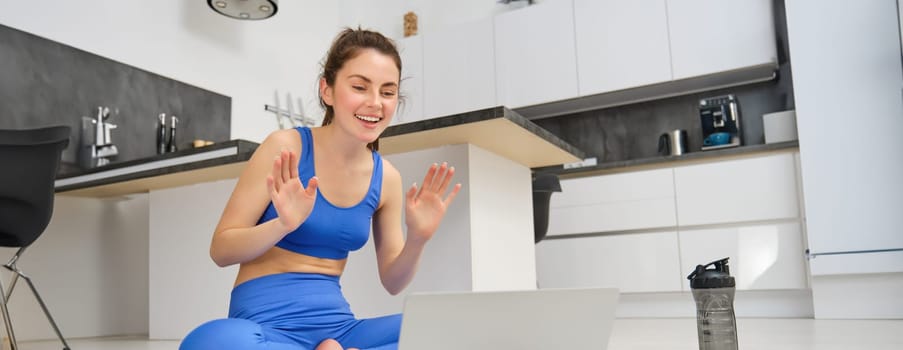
<point x="485" y="242"/>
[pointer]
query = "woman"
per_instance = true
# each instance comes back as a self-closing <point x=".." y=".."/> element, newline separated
<point x="307" y="198"/>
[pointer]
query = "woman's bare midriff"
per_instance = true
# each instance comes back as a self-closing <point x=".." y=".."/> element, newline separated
<point x="278" y="260"/>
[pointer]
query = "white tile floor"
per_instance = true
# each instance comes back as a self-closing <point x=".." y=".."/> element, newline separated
<point x="654" y="334"/>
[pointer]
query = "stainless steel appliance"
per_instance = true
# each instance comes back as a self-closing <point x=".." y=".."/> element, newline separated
<point x="96" y="140"/>
<point x="673" y="143"/>
<point x="720" y="117"/>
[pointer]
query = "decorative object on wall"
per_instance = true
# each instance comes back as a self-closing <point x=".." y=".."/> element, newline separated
<point x="295" y="119"/>
<point x="410" y="24"/>
<point x="245" y="9"/>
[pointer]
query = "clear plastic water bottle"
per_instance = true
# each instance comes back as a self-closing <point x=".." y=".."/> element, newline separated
<point x="713" y="290"/>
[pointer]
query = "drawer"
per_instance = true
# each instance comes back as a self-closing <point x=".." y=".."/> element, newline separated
<point x="617" y="202"/>
<point x="646" y="262"/>
<point x="763" y="188"/>
<point x="767" y="256"/>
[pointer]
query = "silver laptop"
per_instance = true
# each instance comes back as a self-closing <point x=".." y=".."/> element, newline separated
<point x="537" y="319"/>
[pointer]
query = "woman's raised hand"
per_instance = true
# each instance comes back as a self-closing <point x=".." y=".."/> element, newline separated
<point x="292" y="201"/>
<point x="424" y="209"/>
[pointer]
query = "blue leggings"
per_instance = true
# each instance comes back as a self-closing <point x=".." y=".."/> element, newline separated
<point x="292" y="311"/>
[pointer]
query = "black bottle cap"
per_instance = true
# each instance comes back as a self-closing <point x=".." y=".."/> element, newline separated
<point x="718" y="277"/>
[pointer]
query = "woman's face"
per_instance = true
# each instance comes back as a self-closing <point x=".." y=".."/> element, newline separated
<point x="365" y="94"/>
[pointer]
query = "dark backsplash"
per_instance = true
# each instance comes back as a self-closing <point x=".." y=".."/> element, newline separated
<point x="631" y="131"/>
<point x="44" y="83"/>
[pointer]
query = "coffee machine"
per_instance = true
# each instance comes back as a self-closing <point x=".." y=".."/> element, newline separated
<point x="720" y="117"/>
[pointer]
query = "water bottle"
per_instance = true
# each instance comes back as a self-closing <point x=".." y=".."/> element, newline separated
<point x="713" y="291"/>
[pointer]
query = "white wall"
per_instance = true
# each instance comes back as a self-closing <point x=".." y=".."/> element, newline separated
<point x="186" y="287"/>
<point x="186" y="41"/>
<point x="90" y="267"/>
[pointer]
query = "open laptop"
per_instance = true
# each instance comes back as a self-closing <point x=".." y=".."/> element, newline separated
<point x="536" y="319"/>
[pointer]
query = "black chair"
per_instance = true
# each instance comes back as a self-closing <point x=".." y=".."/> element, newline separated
<point x="30" y="161"/>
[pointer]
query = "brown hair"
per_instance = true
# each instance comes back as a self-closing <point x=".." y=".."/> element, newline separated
<point x="347" y="45"/>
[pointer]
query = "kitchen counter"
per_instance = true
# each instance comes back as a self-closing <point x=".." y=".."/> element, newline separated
<point x="215" y="162"/>
<point x="497" y="129"/>
<point x="666" y="161"/>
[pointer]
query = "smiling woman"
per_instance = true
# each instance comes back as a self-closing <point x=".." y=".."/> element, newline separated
<point x="324" y="188"/>
<point x="371" y="78"/>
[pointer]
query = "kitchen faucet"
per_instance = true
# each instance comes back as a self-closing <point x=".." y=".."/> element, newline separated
<point x="96" y="142"/>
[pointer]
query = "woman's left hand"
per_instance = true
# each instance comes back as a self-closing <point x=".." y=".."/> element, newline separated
<point x="424" y="209"/>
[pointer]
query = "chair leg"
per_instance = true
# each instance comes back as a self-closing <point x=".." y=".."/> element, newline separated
<point x="12" y="284"/>
<point x="46" y="312"/>
<point x="11" y="265"/>
<point x="7" y="321"/>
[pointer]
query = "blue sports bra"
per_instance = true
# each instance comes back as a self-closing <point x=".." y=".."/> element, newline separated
<point x="330" y="232"/>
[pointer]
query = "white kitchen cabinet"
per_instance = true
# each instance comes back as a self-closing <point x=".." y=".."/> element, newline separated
<point x="621" y="44"/>
<point x="617" y="202"/>
<point x="645" y="262"/>
<point x="760" y="188"/>
<point x="851" y="178"/>
<point x="458" y="69"/>
<point x="411" y="52"/>
<point x="762" y="256"/>
<point x="535" y="59"/>
<point x="846" y="62"/>
<point x="710" y="36"/>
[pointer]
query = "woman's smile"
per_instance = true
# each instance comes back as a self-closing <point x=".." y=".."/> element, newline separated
<point x="369" y="121"/>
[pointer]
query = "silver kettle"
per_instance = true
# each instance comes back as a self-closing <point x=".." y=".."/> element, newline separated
<point x="673" y="143"/>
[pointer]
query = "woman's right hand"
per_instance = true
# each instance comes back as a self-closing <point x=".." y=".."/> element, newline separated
<point x="292" y="201"/>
